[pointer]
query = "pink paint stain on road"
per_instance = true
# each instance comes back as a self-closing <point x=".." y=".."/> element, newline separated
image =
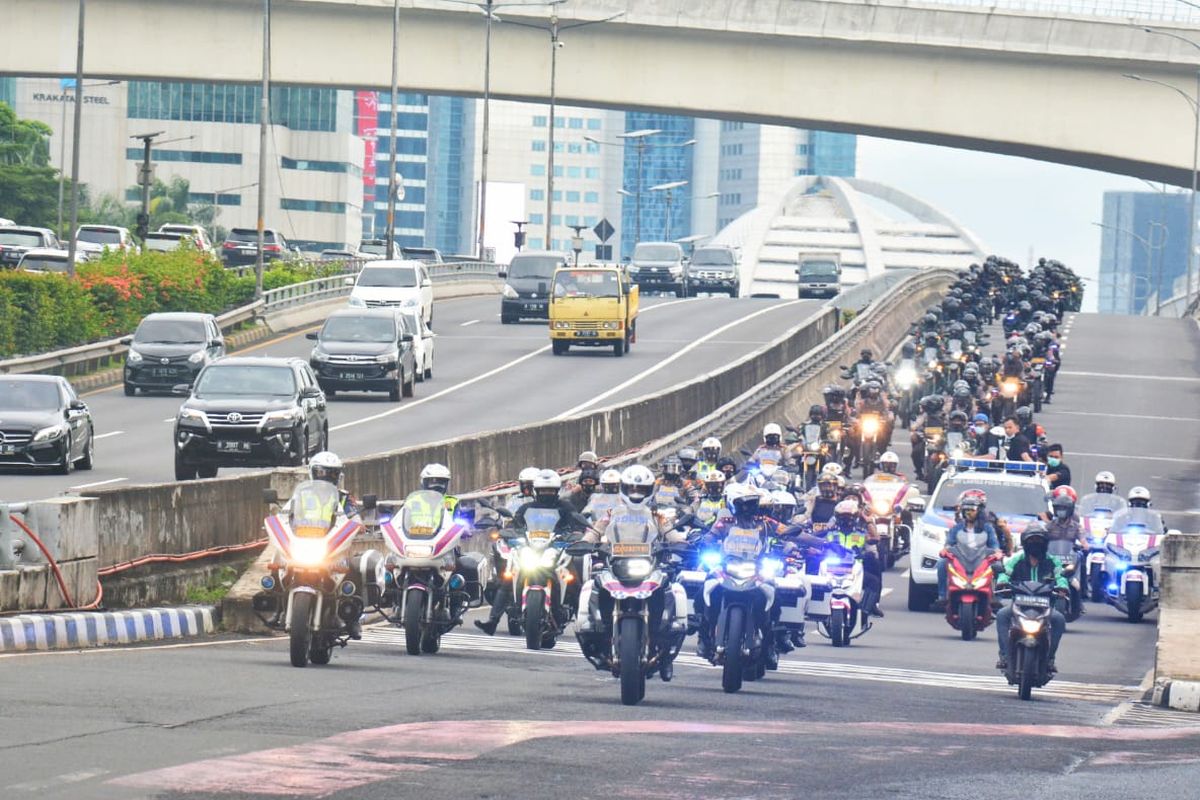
<point x="374" y="755"/>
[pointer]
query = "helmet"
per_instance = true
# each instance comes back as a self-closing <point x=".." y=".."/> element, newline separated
<point x="784" y="502"/>
<point x="714" y="481"/>
<point x="832" y="468"/>
<point x="929" y="320"/>
<point x="1035" y="539"/>
<point x="931" y="404"/>
<point x="525" y="480"/>
<point x="871" y="389"/>
<point x="1106" y="482"/>
<point x="610" y="481"/>
<point x="1065" y="491"/>
<point x="588" y="457"/>
<point x="1024" y="415"/>
<point x="827" y="485"/>
<point x="742" y="499"/>
<point x="846" y="509"/>
<point x="637" y="484"/>
<point x="1139" y="497"/>
<point x="436" y="477"/>
<point x="547" y="485"/>
<point x="816" y="412"/>
<point x="889" y="462"/>
<point x="834" y="395"/>
<point x="772" y="429"/>
<point x="727" y="465"/>
<point x="588" y="478"/>
<point x="908" y="350"/>
<point x="712" y="448"/>
<point x="672" y="466"/>
<point x="865" y="354"/>
<point x="1063" y="505"/>
<point x="688" y="456"/>
<point x="958" y="418"/>
<point x="326" y="466"/>
<point x="972" y="499"/>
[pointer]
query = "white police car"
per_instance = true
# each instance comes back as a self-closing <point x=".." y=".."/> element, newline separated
<point x="1017" y="492"/>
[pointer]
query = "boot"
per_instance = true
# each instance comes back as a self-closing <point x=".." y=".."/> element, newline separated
<point x="704" y="646"/>
<point x="798" y="639"/>
<point x="488" y="627"/>
<point x="770" y="656"/>
<point x="354" y="629"/>
<point x="782" y="644"/>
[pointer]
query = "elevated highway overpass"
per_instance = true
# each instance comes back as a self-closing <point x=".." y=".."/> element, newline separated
<point x="1016" y="82"/>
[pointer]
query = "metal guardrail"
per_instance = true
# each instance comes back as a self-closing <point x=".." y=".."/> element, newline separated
<point x="98" y="355"/>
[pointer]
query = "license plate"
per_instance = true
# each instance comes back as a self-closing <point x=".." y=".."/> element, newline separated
<point x="1033" y="600"/>
<point x="352" y="376"/>
<point x="1135" y="576"/>
<point x="535" y="306"/>
<point x="162" y="372"/>
<point x="587" y="334"/>
<point x="540" y="536"/>
<point x="631" y="549"/>
<point x="233" y="447"/>
<point x="933" y="431"/>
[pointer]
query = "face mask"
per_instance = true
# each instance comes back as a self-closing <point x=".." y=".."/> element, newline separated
<point x="1061" y="513"/>
<point x="980" y="430"/>
<point x="1054" y="462"/>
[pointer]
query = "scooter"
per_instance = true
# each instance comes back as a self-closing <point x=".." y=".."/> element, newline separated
<point x="1029" y="637"/>
<point x="969" y="589"/>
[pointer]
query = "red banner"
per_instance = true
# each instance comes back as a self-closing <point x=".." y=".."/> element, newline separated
<point x="367" y="115"/>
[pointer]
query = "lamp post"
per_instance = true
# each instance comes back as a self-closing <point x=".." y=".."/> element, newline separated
<point x="391" y="205"/>
<point x="556" y="44"/>
<point x="640" y="139"/>
<point x="1150" y="246"/>
<point x="75" y="144"/>
<point x="669" y="190"/>
<point x="264" y="119"/>
<point x="62" y="148"/>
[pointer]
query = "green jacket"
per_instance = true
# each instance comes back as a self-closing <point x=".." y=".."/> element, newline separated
<point x="1048" y="570"/>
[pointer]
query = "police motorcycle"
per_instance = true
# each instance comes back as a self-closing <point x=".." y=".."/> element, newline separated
<point x="1132" y="563"/>
<point x="835" y="594"/>
<point x="540" y="571"/>
<point x="883" y="492"/>
<point x="308" y="591"/>
<point x="1096" y="515"/>
<point x="636" y="571"/>
<point x="426" y="583"/>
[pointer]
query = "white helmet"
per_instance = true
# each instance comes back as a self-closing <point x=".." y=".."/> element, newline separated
<point x="525" y="479"/>
<point x="1104" y="476"/>
<point x="712" y="448"/>
<point x="637" y="485"/>
<point x="326" y="466"/>
<point x="547" y="483"/>
<point x="741" y="498"/>
<point x="889" y="459"/>
<point x="847" y="506"/>
<point x="610" y="478"/>
<point x="1140" y="494"/>
<point x="782" y="497"/>
<point x="772" y="429"/>
<point x="832" y="468"/>
<point x="436" y="477"/>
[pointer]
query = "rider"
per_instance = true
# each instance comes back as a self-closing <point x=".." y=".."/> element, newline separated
<point x="546" y="488"/>
<point x="1064" y="523"/>
<point x="436" y="478"/>
<point x="932" y="415"/>
<point x="710" y="449"/>
<point x="326" y="466"/>
<point x="821" y="502"/>
<point x="670" y="490"/>
<point x="1031" y="564"/>
<point x="1105" y="495"/>
<point x="606" y="498"/>
<point x="689" y="457"/>
<point x="711" y="505"/>
<point x="771" y="449"/>
<point x="849" y="529"/>
<point x="972" y="528"/>
<point x="524" y="493"/>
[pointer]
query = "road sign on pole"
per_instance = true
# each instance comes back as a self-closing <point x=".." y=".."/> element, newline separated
<point x="604" y="230"/>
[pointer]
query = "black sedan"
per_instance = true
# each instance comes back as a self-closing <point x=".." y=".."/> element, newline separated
<point x="44" y="424"/>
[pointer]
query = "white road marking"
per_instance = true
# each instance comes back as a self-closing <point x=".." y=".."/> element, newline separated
<point x="450" y="389"/>
<point x="106" y="435"/>
<point x="1117" y="377"/>
<point x="888" y="590"/>
<point x="1124" y="416"/>
<point x="673" y="357"/>
<point x="1137" y="458"/>
<point x="469" y="322"/>
<point x="169" y="419"/>
<point x="98" y="483"/>
<point x="905" y="574"/>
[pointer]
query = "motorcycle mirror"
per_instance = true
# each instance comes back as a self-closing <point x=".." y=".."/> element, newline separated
<point x="745" y="452"/>
<point x="997" y="567"/>
<point x="270" y="496"/>
<point x="916" y="504"/>
<point x="485" y="504"/>
<point x="369" y="502"/>
<point x="504" y="512"/>
<point x="579" y="549"/>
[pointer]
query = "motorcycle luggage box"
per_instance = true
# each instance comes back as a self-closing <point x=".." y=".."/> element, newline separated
<point x="476" y="571"/>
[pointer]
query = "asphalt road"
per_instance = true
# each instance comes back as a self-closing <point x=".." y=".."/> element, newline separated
<point x="909" y="710"/>
<point x="486" y="376"/>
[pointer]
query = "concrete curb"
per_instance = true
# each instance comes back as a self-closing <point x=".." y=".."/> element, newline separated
<point x="1178" y="695"/>
<point x="75" y="630"/>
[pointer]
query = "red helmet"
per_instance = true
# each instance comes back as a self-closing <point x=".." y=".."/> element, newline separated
<point x="1066" y="491"/>
<point x="976" y="496"/>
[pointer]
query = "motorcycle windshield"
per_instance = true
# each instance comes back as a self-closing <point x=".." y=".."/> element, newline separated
<point x="954" y="346"/>
<point x="540" y="524"/>
<point x="1101" y="503"/>
<point x="969" y="337"/>
<point x="314" y="508"/>
<point x="954" y="439"/>
<point x="812" y="434"/>
<point x="743" y="543"/>
<point x="1137" y="520"/>
<point x="632" y="532"/>
<point x="931" y="356"/>
<point x="862" y="372"/>
<point x="421" y="517"/>
<point x="1062" y="549"/>
<point x="970" y="554"/>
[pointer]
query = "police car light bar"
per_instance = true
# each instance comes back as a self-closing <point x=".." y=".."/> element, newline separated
<point x="989" y="465"/>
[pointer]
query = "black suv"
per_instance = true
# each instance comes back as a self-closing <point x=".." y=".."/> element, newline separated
<point x="169" y="349"/>
<point x="43" y="423"/>
<point x="364" y="350"/>
<point x="240" y="248"/>
<point x="249" y="412"/>
<point x="526" y="292"/>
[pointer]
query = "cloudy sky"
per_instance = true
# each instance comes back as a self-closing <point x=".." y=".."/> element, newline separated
<point x="1016" y="205"/>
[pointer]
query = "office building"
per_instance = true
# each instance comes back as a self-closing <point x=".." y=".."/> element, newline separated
<point x="1143" y="249"/>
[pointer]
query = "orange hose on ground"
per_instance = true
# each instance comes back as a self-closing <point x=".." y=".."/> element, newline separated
<point x="182" y="557"/>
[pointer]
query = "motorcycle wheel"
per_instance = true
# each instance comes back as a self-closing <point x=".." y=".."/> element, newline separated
<point x="629" y="651"/>
<point x="966" y="620"/>
<point x="1096" y="584"/>
<point x="514" y="626"/>
<point x="837" y="626"/>
<point x="301" y="633"/>
<point x="1026" y="667"/>
<point x="1074" y="606"/>
<point x="431" y="642"/>
<point x="1133" y="601"/>
<point x="321" y="652"/>
<point x="414" y="609"/>
<point x="535" y="610"/>
<point x="735" y="635"/>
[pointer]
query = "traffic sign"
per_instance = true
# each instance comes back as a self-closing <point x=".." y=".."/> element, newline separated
<point x="604" y="230"/>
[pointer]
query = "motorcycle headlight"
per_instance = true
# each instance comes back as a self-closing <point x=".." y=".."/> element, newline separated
<point x="711" y="559"/>
<point x="1030" y="626"/>
<point x="771" y="568"/>
<point x="509" y="292"/>
<point x="638" y="567"/>
<point x="1011" y="388"/>
<point x="741" y="569"/>
<point x="906" y="378"/>
<point x="133" y="357"/>
<point x="881" y="508"/>
<point x="870" y="425"/>
<point x="1119" y="552"/>
<point x="308" y="552"/>
<point x="1148" y="555"/>
<point x="530" y="559"/>
<point x="196" y="357"/>
<point x="981" y="581"/>
<point x="51" y="433"/>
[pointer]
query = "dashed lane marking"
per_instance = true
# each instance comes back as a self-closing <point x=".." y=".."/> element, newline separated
<point x="97" y="483"/>
<point x="1118" y="456"/>
<point x="468" y="322"/>
<point x="100" y="436"/>
<point x="1056" y="412"/>
<point x="1114" y="376"/>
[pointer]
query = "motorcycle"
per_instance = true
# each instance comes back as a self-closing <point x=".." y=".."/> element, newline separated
<point x="835" y="442"/>
<point x="870" y="430"/>
<point x="1029" y="637"/>
<point x="1132" y="560"/>
<point x="936" y="457"/>
<point x="308" y="591"/>
<point x="637" y="567"/>
<point x="814" y="455"/>
<point x="906" y="379"/>
<point x="883" y="491"/>
<point x="1096" y="522"/>
<point x="540" y="579"/>
<point x="1069" y="556"/>
<point x="835" y="595"/>
<point x="426" y="584"/>
<point x="1005" y="402"/>
<point x="738" y="587"/>
<point x="1036" y="382"/>
<point x="969" y="589"/>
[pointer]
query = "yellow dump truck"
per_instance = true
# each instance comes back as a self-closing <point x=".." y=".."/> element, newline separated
<point x="593" y="307"/>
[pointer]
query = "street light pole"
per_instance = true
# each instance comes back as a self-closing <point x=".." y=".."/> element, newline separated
<point x="1149" y="246"/>
<point x="75" y="145"/>
<point x="264" y="119"/>
<point x="669" y="189"/>
<point x="391" y="206"/>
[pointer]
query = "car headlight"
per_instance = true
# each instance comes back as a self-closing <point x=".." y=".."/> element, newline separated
<point x="192" y="415"/>
<point x="133" y="357"/>
<point x="410" y="302"/>
<point x="638" y="567"/>
<point x="283" y="415"/>
<point x="388" y="358"/>
<point x="562" y="326"/>
<point x="632" y="270"/>
<point x="741" y="569"/>
<point x="308" y="552"/>
<point x="357" y="302"/>
<point x="1030" y="625"/>
<point x="933" y="534"/>
<point x="612" y="326"/>
<point x="509" y="292"/>
<point x="51" y="433"/>
<point x="196" y="357"/>
<point x="319" y="355"/>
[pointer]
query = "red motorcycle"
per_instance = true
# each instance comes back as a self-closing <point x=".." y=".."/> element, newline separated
<point x="969" y="589"/>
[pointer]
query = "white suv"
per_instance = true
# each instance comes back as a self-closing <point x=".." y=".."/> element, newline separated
<point x="405" y="284"/>
<point x="1017" y="492"/>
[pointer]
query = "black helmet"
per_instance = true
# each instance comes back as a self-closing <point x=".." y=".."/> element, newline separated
<point x="932" y="404"/>
<point x="958" y="417"/>
<point x="834" y="395"/>
<point x="672" y="466"/>
<point x="970" y="320"/>
<point x="1035" y="539"/>
<point x="908" y="350"/>
<point x="1024" y="415"/>
<point x="929" y="320"/>
<point x="816" y="411"/>
<point x="727" y="465"/>
<point x="962" y="391"/>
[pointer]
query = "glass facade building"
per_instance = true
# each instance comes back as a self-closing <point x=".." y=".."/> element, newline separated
<point x="448" y="207"/>
<point x="294" y="107"/>
<point x="1143" y="249"/>
<point x="660" y="163"/>
<point x="412" y="164"/>
<point x="833" y="154"/>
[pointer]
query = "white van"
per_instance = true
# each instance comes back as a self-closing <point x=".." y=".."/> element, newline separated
<point x="403" y="283"/>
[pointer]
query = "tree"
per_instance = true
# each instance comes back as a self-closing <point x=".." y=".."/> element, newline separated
<point x="28" y="190"/>
<point x="23" y="142"/>
<point x="169" y="203"/>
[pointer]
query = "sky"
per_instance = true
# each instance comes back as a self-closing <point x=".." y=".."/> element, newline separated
<point x="1013" y="204"/>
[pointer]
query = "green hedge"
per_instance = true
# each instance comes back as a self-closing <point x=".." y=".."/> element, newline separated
<point x="109" y="297"/>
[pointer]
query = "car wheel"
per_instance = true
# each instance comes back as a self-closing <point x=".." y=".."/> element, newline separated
<point x="130" y="391"/>
<point x="305" y="449"/>
<point x="507" y="320"/>
<point x="89" y="452"/>
<point x="207" y="471"/>
<point x="558" y="346"/>
<point x="394" y="392"/>
<point x="330" y="394"/>
<point x="406" y="389"/>
<point x="429" y="370"/>
<point x="183" y="470"/>
<point x="418" y="375"/>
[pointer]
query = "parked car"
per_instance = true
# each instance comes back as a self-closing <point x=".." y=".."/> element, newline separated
<point x="659" y="266"/>
<point x="365" y="350"/>
<point x="198" y="234"/>
<point x="403" y="284"/>
<point x="527" y="280"/>
<point x="42" y="259"/>
<point x="714" y="269"/>
<point x="422" y="341"/>
<point x="240" y="247"/>
<point x="43" y="423"/>
<point x="16" y="239"/>
<point x="170" y="349"/>
<point x="249" y="412"/>
<point x="165" y="242"/>
<point x="374" y="247"/>
<point x="95" y="239"/>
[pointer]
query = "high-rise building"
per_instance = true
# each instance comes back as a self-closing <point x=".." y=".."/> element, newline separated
<point x="1143" y="249"/>
<point x="412" y="167"/>
<point x="657" y="160"/>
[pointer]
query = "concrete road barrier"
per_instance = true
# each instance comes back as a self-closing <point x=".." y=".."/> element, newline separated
<point x="1177" y="656"/>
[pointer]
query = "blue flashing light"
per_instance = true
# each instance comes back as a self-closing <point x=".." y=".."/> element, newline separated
<point x="1113" y="588"/>
<point x="989" y="465"/>
<point x="711" y="559"/>
<point x="268" y="582"/>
